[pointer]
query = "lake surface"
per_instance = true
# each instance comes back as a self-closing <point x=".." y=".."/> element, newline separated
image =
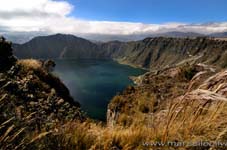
<point x="94" y="82"/>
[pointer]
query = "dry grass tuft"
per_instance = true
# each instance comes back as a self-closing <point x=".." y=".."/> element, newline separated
<point x="30" y="64"/>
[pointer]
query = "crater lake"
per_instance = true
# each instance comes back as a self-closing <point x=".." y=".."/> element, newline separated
<point x="94" y="82"/>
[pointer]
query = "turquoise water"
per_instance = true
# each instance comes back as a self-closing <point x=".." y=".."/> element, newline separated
<point x="94" y="82"/>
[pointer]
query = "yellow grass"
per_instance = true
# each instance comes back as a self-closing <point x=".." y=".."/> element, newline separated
<point x="30" y="64"/>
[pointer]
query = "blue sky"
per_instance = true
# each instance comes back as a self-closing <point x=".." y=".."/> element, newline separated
<point x="151" y="11"/>
<point x="112" y="17"/>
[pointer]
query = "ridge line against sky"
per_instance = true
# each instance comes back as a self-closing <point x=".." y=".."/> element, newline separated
<point x="61" y="16"/>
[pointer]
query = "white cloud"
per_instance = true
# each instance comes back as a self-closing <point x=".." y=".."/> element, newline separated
<point x="53" y="17"/>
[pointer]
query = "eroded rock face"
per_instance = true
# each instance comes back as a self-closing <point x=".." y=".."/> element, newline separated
<point x="6" y="54"/>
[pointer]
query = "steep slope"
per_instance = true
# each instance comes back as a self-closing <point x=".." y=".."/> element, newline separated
<point x="32" y="101"/>
<point x="177" y="107"/>
<point x="154" y="53"/>
<point x="57" y="46"/>
<point x="155" y="90"/>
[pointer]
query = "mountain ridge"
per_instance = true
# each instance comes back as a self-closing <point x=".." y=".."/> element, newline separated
<point x="53" y="45"/>
<point x="22" y="37"/>
<point x="152" y="52"/>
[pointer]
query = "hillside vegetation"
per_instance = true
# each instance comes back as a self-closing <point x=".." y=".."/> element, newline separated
<point x="180" y="105"/>
<point x="33" y="102"/>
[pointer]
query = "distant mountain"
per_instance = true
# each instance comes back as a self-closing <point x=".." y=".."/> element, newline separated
<point x="219" y="35"/>
<point x="136" y="37"/>
<point x="57" y="46"/>
<point x="179" y="34"/>
<point x="21" y="38"/>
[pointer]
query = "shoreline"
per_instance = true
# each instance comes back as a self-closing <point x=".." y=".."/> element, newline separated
<point x="135" y="79"/>
<point x="129" y="64"/>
